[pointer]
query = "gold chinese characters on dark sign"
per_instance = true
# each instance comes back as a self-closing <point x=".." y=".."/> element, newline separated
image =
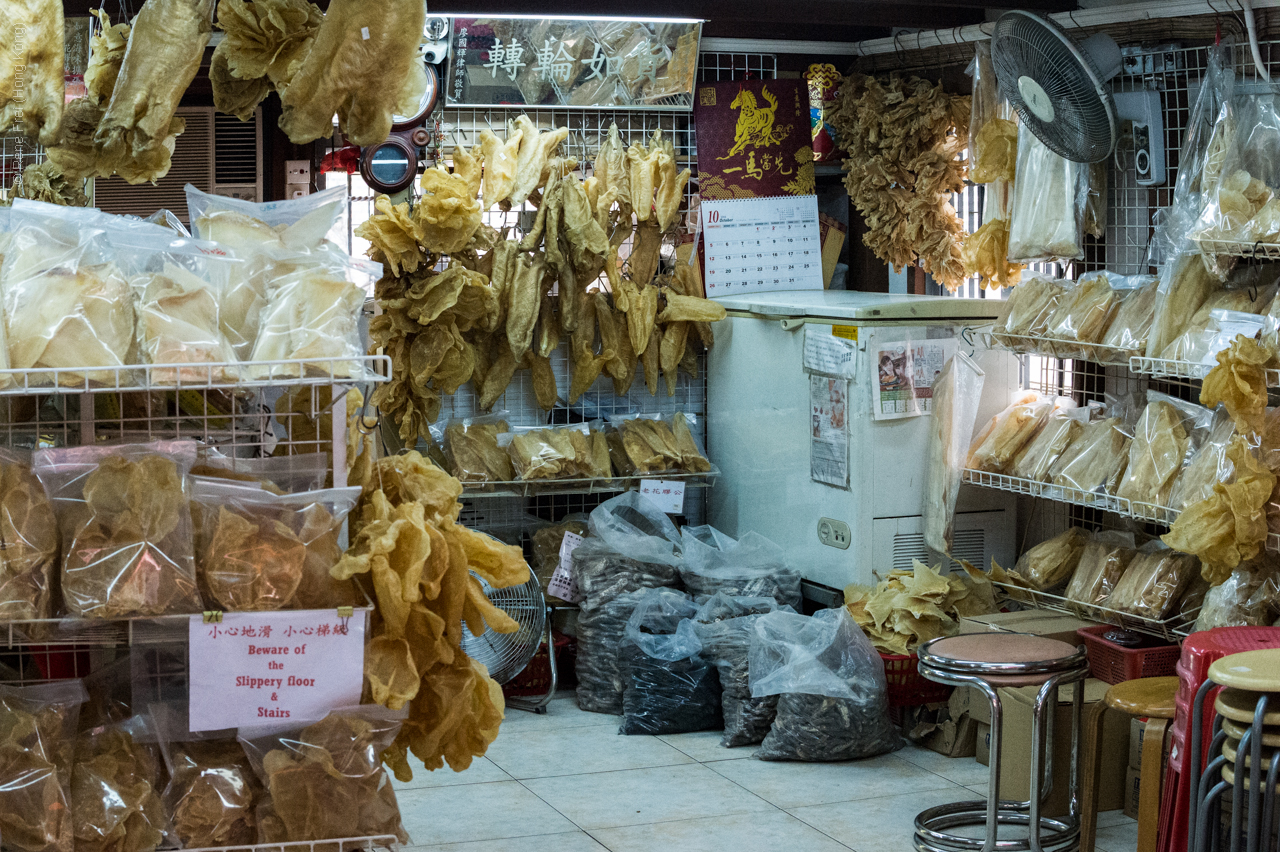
<point x="572" y="63"/>
<point x="753" y="139"/>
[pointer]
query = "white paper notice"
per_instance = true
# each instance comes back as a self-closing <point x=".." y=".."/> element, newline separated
<point x="666" y="494"/>
<point x="257" y="668"/>
<point x="829" y="441"/>
<point x="903" y="374"/>
<point x="759" y="245"/>
<point x="827" y="354"/>
<point x="563" y="584"/>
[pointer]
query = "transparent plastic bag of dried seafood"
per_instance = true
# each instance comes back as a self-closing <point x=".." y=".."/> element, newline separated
<point x="1049" y="197"/>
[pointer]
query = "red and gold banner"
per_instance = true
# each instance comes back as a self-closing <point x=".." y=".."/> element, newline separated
<point x="753" y="139"/>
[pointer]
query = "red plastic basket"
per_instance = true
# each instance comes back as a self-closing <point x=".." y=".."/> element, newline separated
<point x="1115" y="663"/>
<point x="535" y="680"/>
<point x="907" y="688"/>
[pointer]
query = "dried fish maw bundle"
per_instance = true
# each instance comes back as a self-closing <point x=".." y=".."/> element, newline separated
<point x="31" y="70"/>
<point x="1185" y="285"/>
<point x="312" y="314"/>
<point x="1051" y="562"/>
<point x="106" y="53"/>
<point x="460" y="709"/>
<point x="267" y="38"/>
<point x="536" y="150"/>
<point x="910" y="607"/>
<point x="1084" y="313"/>
<point x="1095" y="460"/>
<point x="1029" y="309"/>
<point x="499" y="375"/>
<point x="1208" y="466"/>
<point x="448" y="214"/>
<point x="1132" y="322"/>
<point x="524" y="290"/>
<point x="1156" y="454"/>
<point x="670" y="194"/>
<point x="178" y="324"/>
<point x="1239" y="382"/>
<point x="390" y="670"/>
<point x="1240" y="196"/>
<point x="319" y="532"/>
<point x="250" y="564"/>
<point x="997" y="147"/>
<point x="231" y="94"/>
<point x="394" y="234"/>
<point x="675" y="337"/>
<point x="163" y="56"/>
<point x="986" y="254"/>
<point x="1038" y="455"/>
<point x="691" y="458"/>
<point x="358" y="47"/>
<point x="645" y="254"/>
<point x="544" y="454"/>
<point x="1151" y="585"/>
<point x="473" y="450"/>
<point x="37" y="740"/>
<point x="690" y="309"/>
<point x="1008" y="432"/>
<point x="212" y="795"/>
<point x="650" y="445"/>
<point x="28" y="544"/>
<point x="644" y="164"/>
<point x="1229" y="527"/>
<point x="1102" y="564"/>
<point x="586" y="238"/>
<point x="115" y="806"/>
<point x="499" y="166"/>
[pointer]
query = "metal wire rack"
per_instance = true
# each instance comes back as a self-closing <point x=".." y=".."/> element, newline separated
<point x="1171" y="629"/>
<point x="1152" y="512"/>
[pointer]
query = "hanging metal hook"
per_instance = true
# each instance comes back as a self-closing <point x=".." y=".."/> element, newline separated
<point x="362" y="420"/>
<point x="966" y="334"/>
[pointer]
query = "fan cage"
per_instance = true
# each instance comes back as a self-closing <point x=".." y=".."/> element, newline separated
<point x="506" y="655"/>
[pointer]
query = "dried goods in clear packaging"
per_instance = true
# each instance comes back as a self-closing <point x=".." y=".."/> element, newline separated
<point x="1028" y="310"/>
<point x="37" y="741"/>
<point x="1245" y="292"/>
<point x="547" y="541"/>
<point x="1037" y="457"/>
<point x="1083" y="315"/>
<point x="993" y="135"/>
<point x="1095" y="459"/>
<point x="1247" y="598"/>
<point x="1008" y="432"/>
<point x="29" y="544"/>
<point x="1103" y="560"/>
<point x="668" y="687"/>
<point x="1049" y="196"/>
<point x="1152" y="584"/>
<point x="1051" y="562"/>
<point x="471" y="446"/>
<point x="752" y="566"/>
<point x="724" y="625"/>
<point x="280" y="474"/>
<point x="1185" y="284"/>
<point x="125" y="527"/>
<point x="1236" y="208"/>
<point x="957" y="391"/>
<point x="212" y="795"/>
<point x="326" y="780"/>
<point x="1208" y="466"/>
<point x="646" y="444"/>
<point x="1126" y="336"/>
<point x="566" y="452"/>
<point x="1162" y="442"/>
<point x="115" y="792"/>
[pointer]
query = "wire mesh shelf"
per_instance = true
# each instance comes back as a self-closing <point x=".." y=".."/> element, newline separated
<point x="1048" y="491"/>
<point x="342" y="844"/>
<point x="1240" y="248"/>
<point x="1166" y="367"/>
<point x="1054" y="347"/>
<point x="1170" y="629"/>
<point x="598" y="485"/>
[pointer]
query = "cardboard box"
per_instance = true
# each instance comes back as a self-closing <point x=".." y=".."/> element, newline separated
<point x="1040" y="622"/>
<point x="946" y="728"/>
<point x="1137" y="730"/>
<point x="1015" y="770"/>
<point x="1132" y="784"/>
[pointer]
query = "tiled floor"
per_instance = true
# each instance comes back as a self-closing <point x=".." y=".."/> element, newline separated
<point x="568" y="782"/>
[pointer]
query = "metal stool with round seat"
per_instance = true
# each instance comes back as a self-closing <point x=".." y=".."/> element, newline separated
<point x="988" y="662"/>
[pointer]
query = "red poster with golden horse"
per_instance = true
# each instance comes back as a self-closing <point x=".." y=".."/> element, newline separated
<point x="753" y="139"/>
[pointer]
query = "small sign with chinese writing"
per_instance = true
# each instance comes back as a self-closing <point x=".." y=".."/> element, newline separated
<point x="572" y="63"/>
<point x="563" y="585"/>
<point x="667" y="495"/>
<point x="258" y="668"/>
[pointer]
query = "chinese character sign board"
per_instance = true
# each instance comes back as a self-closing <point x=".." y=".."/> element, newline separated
<point x="260" y="668"/>
<point x="753" y="139"/>
<point x="572" y="63"/>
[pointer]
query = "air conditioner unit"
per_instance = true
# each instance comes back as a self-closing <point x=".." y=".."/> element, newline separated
<point x="980" y="536"/>
<point x="217" y="153"/>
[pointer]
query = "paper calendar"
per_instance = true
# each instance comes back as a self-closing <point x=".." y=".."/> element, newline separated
<point x="759" y="245"/>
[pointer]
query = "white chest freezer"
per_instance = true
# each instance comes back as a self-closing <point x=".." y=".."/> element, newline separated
<point x="759" y="427"/>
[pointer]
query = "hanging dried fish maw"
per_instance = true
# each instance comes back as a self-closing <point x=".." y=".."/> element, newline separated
<point x="106" y="52"/>
<point x="545" y="390"/>
<point x="581" y="230"/>
<point x="31" y="68"/>
<point x="536" y="149"/>
<point x="358" y="47"/>
<point x="448" y="212"/>
<point x="646" y="253"/>
<point x="231" y="94"/>
<point x="524" y="297"/>
<point x="1239" y="381"/>
<point x="267" y="38"/>
<point x="162" y="58"/>
<point x="498" y="376"/>
<point x="671" y="188"/>
<point x="643" y="165"/>
<point x="690" y="309"/>
<point x="466" y="165"/>
<point x="674" y="338"/>
<point x="394" y="234"/>
<point x="499" y="166"/>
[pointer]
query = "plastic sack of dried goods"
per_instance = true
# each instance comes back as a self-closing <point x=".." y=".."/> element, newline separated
<point x="1184" y="286"/>
<point x="1126" y="336"/>
<point x="471" y="446"/>
<point x="1240" y="207"/>
<point x="115" y="788"/>
<point x="1208" y="466"/>
<point x="1049" y="196"/>
<point x="1102" y="562"/>
<point x="669" y="688"/>
<point x="957" y="391"/>
<point x="547" y="541"/>
<point x="1163" y="439"/>
<point x="1246" y="291"/>
<point x="642" y="444"/>
<point x="1051" y="562"/>
<point x="993" y="134"/>
<point x="312" y="313"/>
<point x="1203" y="143"/>
<point x="1154" y="581"/>
<point x="1028" y="310"/>
<point x="326" y="780"/>
<point x="66" y="302"/>
<point x="631" y="524"/>
<point x="1009" y="431"/>
<point x="125" y="526"/>
<point x="28" y="541"/>
<point x="37" y="741"/>
<point x="1037" y="457"/>
<point x="752" y="566"/>
<point x="833" y="701"/>
<point x="249" y="228"/>
<point x="1223" y="328"/>
<point x="1083" y="316"/>
<point x="1244" y="599"/>
<point x="261" y="551"/>
<point x="563" y="452"/>
<point x="600" y="631"/>
<point x="303" y="472"/>
<point x="724" y="625"/>
<point x="1096" y="459"/>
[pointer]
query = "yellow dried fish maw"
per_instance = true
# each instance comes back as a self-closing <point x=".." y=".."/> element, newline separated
<point x="986" y="254"/>
<point x="641" y="318"/>
<point x="670" y="195"/>
<point x="115" y="806"/>
<point x="524" y="297"/>
<point x="212" y="794"/>
<point x="690" y="309"/>
<point x="580" y="228"/>
<point x="358" y="47"/>
<point x="390" y="670"/>
<point x="233" y="95"/>
<point x="1051" y="562"/>
<point x="536" y="148"/>
<point x="545" y="390"/>
<point x="455" y="716"/>
<point x="162" y="58"/>
<point x="31" y="69"/>
<point x="251" y="564"/>
<point x="106" y="53"/>
<point x="1185" y="285"/>
<point x="691" y="458"/>
<point x="547" y="335"/>
<point x="646" y="254"/>
<point x="1239" y="382"/>
<point x="468" y="167"/>
<point x="651" y="359"/>
<point x="643" y="165"/>
<point x="480" y="615"/>
<point x="498" y="376"/>
<point x="394" y="235"/>
<point x="1038" y="455"/>
<point x="499" y="166"/>
<point x="474" y="451"/>
<point x="28" y="545"/>
<point x="448" y="213"/>
<point x="1156" y="454"/>
<point x="623" y="366"/>
<point x="267" y="38"/>
<point x="674" y="339"/>
<point x="1008" y="432"/>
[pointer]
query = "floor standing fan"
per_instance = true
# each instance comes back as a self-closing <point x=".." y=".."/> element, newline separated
<point x="1062" y="91"/>
<point x="506" y="655"/>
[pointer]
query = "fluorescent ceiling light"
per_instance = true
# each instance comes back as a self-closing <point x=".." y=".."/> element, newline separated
<point x="577" y="18"/>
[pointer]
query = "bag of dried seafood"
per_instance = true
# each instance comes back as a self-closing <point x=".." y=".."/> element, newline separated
<point x="546" y="547"/>
<point x="1126" y="336"/>
<point x="833" y="701"/>
<point x="1208" y="466"/>
<point x="1249" y="290"/>
<point x="1164" y="438"/>
<point x="1049" y="197"/>
<point x="1096" y="459"/>
<point x="669" y="688"/>
<point x="1246" y="598"/>
<point x="993" y="133"/>
<point x="115" y="795"/>
<point x="125" y="525"/>
<point x="1051" y="562"/>
<point x="29" y="533"/>
<point x="1185" y="285"/>
<point x="37" y="740"/>
<point x="1154" y="581"/>
<point x="1083" y="316"/>
<point x="724" y="626"/>
<point x="1038" y="456"/>
<point x="471" y="446"/>
<point x="1102" y="562"/>
<point x="566" y="452"/>
<point x="1027" y="312"/>
<point x="957" y="390"/>
<point x="1009" y="431"/>
<point x="642" y="444"/>
<point x="289" y="473"/>
<point x="752" y="566"/>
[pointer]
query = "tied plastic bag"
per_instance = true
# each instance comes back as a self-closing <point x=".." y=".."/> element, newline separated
<point x="833" y="700"/>
<point x="471" y="447"/>
<point x="752" y="566"/>
<point x="669" y="688"/>
<point x="1154" y="581"/>
<point x="28" y="541"/>
<point x="1163" y="440"/>
<point x="125" y="527"/>
<point x="213" y="793"/>
<point x="724" y="625"/>
<point x="115" y="796"/>
<point x="326" y="780"/>
<point x="259" y="551"/>
<point x="1049" y="197"/>
<point x="957" y="391"/>
<point x="1009" y="431"/>
<point x="1083" y="316"/>
<point x="1037" y="457"/>
<point x="1208" y="466"/>
<point x="37" y="741"/>
<point x="1096" y="459"/>
<point x="1240" y="207"/>
<point x="1027" y="312"/>
<point x="993" y="135"/>
<point x="1126" y="336"/>
<point x="1204" y="142"/>
<point x="1102" y="562"/>
<point x="1051" y="562"/>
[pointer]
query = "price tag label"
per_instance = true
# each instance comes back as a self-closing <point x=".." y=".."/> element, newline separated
<point x="667" y="494"/>
<point x="255" y="668"/>
<point x="563" y="585"/>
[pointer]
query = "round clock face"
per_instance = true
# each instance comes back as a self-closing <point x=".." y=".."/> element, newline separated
<point x="389" y="166"/>
<point x="425" y="104"/>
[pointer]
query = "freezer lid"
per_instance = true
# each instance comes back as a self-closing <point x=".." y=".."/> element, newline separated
<point x="853" y="305"/>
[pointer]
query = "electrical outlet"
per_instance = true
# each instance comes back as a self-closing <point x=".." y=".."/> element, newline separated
<point x="834" y="533"/>
<point x="297" y="171"/>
